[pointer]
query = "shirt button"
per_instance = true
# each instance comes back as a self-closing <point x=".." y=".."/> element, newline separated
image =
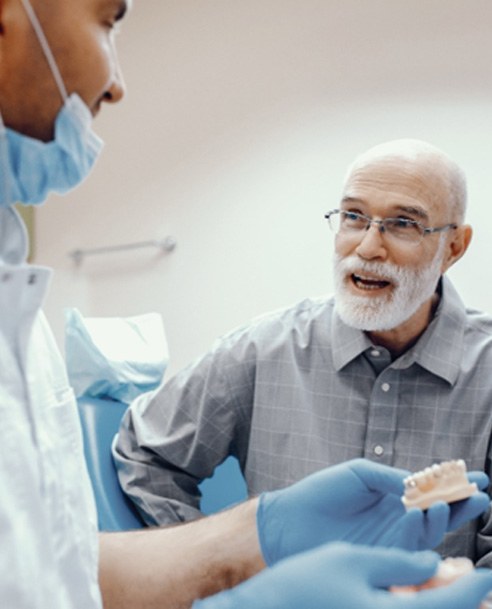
<point x="375" y="353"/>
<point x="378" y="450"/>
<point x="385" y="387"/>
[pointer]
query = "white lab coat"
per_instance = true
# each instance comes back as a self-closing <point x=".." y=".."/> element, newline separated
<point x="48" y="525"/>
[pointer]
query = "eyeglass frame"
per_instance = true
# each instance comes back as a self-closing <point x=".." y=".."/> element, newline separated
<point x="381" y="223"/>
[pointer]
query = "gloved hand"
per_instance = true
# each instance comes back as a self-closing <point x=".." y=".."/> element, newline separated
<point x="358" y="501"/>
<point x="341" y="576"/>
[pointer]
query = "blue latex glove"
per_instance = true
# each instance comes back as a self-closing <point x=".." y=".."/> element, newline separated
<point x="358" y="501"/>
<point x="341" y="576"/>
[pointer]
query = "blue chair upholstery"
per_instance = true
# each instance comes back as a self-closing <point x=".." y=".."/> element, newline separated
<point x="100" y="421"/>
<point x="225" y="488"/>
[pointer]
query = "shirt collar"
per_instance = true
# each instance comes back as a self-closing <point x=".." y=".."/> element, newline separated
<point x="438" y="350"/>
<point x="13" y="237"/>
<point x="347" y="342"/>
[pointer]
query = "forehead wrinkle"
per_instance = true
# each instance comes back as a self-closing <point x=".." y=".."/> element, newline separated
<point x="415" y="181"/>
<point x="445" y="182"/>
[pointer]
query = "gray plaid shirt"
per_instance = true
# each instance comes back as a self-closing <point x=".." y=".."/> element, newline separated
<point x="298" y="390"/>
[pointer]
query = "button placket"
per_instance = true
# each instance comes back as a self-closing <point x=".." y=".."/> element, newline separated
<point x="382" y="417"/>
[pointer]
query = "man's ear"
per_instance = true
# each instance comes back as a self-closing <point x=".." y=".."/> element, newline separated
<point x="9" y="22"/>
<point x="5" y="6"/>
<point x="457" y="245"/>
<point x="9" y="10"/>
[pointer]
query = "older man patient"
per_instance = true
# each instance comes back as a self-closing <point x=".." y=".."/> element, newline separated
<point x="393" y="368"/>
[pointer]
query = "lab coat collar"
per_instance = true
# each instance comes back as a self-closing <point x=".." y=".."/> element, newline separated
<point x="13" y="237"/>
<point x="22" y="286"/>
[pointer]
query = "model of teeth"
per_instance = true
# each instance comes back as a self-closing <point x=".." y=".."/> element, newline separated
<point x="448" y="571"/>
<point x="444" y="482"/>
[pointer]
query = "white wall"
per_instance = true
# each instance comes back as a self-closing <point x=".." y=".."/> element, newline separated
<point x="240" y="118"/>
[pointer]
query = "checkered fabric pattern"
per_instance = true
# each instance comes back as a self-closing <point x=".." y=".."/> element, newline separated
<point x="298" y="390"/>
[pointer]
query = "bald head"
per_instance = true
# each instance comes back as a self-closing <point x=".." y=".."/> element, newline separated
<point x="430" y="168"/>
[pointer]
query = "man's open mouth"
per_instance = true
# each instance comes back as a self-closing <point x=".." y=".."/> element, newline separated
<point x="369" y="283"/>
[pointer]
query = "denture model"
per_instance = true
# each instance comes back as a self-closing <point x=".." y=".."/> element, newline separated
<point x="446" y="481"/>
<point x="449" y="570"/>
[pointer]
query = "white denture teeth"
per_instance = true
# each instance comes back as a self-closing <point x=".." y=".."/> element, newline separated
<point x="449" y="570"/>
<point x="446" y="481"/>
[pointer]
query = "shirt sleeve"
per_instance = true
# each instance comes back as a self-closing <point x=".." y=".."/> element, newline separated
<point x="172" y="439"/>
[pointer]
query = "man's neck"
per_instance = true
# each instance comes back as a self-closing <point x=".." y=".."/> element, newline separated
<point x="402" y="338"/>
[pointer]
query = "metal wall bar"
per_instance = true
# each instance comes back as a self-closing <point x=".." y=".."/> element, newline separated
<point x="166" y="245"/>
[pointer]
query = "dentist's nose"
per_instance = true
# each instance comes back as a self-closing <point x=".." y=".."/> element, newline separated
<point x="116" y="87"/>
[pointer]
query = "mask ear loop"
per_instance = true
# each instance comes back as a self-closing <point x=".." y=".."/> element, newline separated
<point x="46" y="48"/>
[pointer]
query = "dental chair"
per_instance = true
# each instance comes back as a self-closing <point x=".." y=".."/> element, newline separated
<point x="100" y="421"/>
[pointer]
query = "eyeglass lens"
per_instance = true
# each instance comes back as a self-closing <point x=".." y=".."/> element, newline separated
<point x="399" y="228"/>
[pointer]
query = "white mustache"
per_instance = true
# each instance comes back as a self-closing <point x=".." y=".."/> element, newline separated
<point x="381" y="270"/>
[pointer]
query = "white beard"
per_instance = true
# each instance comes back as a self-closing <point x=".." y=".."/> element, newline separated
<point x="411" y="288"/>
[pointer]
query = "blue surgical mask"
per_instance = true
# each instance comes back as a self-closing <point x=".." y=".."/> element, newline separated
<point x="29" y="168"/>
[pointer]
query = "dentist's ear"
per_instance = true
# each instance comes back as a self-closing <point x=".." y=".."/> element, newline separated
<point x="2" y="2"/>
<point x="8" y="12"/>
<point x="7" y="17"/>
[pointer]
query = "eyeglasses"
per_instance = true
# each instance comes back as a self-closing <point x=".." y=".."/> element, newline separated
<point x="401" y="229"/>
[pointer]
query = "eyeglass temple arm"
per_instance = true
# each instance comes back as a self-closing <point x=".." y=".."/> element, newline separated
<point x="439" y="229"/>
